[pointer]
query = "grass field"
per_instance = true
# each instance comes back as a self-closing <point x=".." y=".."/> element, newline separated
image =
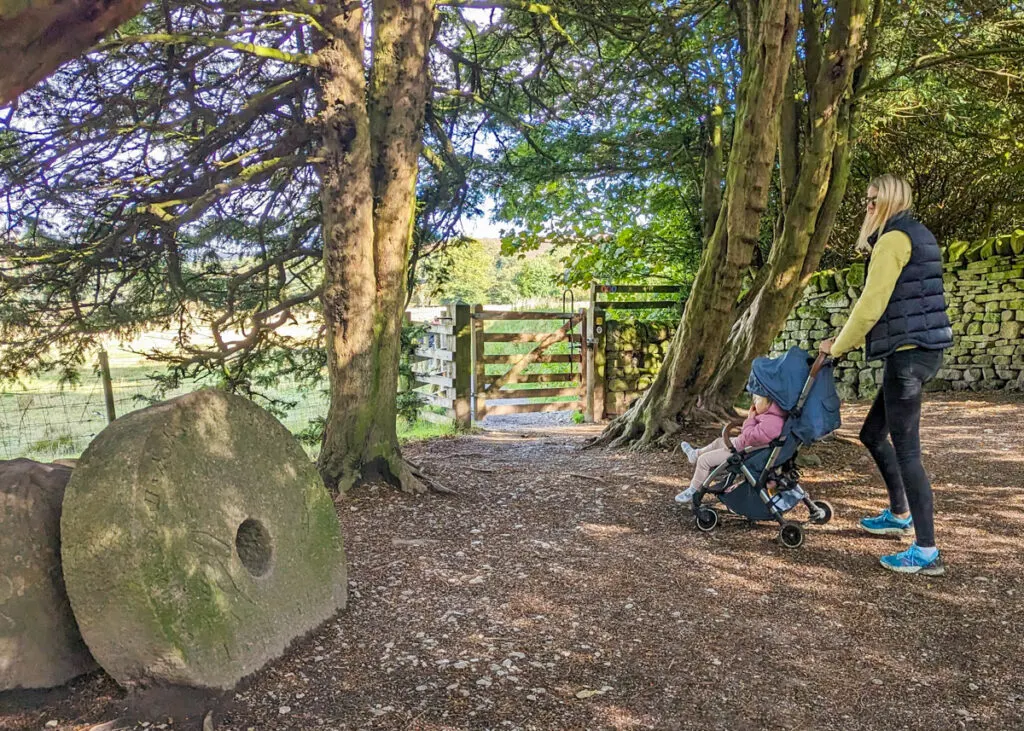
<point x="44" y="420"/>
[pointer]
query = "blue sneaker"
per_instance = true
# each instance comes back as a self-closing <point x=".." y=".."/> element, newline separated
<point x="887" y="524"/>
<point x="914" y="561"/>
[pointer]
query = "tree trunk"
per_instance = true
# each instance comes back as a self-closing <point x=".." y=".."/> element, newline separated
<point x="693" y="355"/>
<point x="812" y="201"/>
<point x="711" y="193"/>
<point x="371" y="144"/>
<point x="40" y="35"/>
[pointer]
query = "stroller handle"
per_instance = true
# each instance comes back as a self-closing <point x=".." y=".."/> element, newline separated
<point x="820" y="362"/>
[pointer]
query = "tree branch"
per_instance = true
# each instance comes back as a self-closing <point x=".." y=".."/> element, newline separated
<point x="932" y="60"/>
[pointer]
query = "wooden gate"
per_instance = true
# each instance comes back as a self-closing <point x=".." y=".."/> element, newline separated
<point x="527" y="362"/>
<point x="441" y="368"/>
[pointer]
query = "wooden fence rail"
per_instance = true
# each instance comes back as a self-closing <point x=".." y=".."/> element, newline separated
<point x="442" y="367"/>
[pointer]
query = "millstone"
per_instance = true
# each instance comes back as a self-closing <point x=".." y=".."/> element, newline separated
<point x="40" y="646"/>
<point x="199" y="541"/>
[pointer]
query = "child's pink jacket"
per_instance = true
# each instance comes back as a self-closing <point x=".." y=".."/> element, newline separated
<point x="761" y="429"/>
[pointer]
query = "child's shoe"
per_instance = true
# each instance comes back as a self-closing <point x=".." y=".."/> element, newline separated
<point x="915" y="560"/>
<point x="686" y="496"/>
<point x="689" y="451"/>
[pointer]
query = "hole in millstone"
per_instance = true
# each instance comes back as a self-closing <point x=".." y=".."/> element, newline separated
<point x="254" y="547"/>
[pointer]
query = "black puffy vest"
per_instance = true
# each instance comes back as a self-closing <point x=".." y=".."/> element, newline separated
<point x="916" y="313"/>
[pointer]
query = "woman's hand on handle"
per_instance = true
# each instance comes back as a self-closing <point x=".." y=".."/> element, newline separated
<point x="826" y="346"/>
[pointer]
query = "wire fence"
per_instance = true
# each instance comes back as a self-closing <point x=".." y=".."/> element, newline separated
<point x="45" y="420"/>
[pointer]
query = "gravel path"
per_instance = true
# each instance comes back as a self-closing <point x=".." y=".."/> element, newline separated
<point x="563" y="589"/>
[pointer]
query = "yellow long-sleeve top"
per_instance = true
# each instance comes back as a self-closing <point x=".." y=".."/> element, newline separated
<point x="888" y="257"/>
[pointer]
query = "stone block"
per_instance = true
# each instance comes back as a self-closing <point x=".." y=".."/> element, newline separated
<point x="1010" y="330"/>
<point x="846" y="391"/>
<point x="40" y="641"/>
<point x="955" y="251"/>
<point x="812" y="313"/>
<point x="866" y="392"/>
<point x="855" y="275"/>
<point x="838" y="319"/>
<point x="989" y="328"/>
<point x="198" y="542"/>
<point x="974" y="255"/>
<point x="1017" y="242"/>
<point x="837" y="301"/>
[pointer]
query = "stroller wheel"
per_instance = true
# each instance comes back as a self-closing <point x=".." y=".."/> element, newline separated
<point x="825" y="507"/>
<point x="791" y="535"/>
<point x="706" y="519"/>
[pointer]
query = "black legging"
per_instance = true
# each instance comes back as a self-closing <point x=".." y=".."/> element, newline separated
<point x="896" y="412"/>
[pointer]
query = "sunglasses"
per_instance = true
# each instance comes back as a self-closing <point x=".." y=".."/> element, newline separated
<point x="870" y="200"/>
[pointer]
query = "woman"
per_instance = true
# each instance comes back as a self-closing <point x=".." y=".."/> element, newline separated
<point x="900" y="318"/>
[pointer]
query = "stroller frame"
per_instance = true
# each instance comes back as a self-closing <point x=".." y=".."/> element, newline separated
<point x="791" y="533"/>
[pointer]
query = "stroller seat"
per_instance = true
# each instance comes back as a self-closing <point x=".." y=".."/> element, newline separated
<point x="763" y="483"/>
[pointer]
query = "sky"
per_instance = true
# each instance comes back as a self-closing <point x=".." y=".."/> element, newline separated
<point x="481" y="227"/>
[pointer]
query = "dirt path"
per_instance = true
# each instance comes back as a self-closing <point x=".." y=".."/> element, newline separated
<point x="562" y="589"/>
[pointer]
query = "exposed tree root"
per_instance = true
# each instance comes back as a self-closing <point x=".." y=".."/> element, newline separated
<point x="412" y="479"/>
<point x="395" y="470"/>
<point x="636" y="431"/>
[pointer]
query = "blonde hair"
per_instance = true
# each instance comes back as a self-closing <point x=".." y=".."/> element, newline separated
<point x="764" y="399"/>
<point x="894" y="196"/>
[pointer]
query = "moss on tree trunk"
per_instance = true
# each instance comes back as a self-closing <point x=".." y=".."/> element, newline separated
<point x="371" y="143"/>
<point x="693" y="356"/>
<point x="720" y="333"/>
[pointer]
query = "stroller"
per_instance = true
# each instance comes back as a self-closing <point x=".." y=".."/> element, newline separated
<point x="763" y="483"/>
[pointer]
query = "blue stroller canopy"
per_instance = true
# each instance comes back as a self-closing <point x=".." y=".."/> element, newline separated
<point x="783" y="379"/>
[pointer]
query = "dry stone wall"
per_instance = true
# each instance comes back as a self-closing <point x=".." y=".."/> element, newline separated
<point x="984" y="289"/>
<point x="634" y="353"/>
<point x="985" y="292"/>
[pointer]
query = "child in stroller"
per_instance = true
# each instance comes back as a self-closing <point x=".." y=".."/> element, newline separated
<point x="762" y="482"/>
<point x="764" y="423"/>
